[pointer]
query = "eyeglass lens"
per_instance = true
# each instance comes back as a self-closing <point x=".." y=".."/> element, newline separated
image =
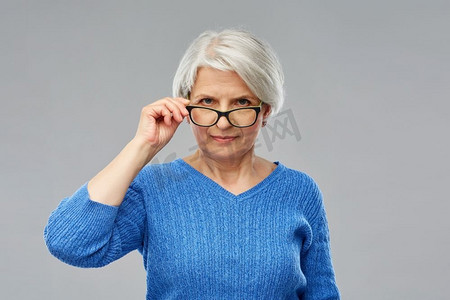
<point x="207" y="117"/>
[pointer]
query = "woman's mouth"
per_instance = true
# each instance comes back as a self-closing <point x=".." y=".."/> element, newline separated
<point x="223" y="139"/>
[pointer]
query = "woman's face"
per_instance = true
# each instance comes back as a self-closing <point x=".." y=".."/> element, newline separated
<point x="225" y="90"/>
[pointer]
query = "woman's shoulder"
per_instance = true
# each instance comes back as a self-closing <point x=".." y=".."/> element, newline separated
<point x="302" y="184"/>
<point x="296" y="175"/>
<point x="167" y="171"/>
<point x="163" y="167"/>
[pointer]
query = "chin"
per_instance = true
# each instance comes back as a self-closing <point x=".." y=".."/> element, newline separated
<point x="225" y="151"/>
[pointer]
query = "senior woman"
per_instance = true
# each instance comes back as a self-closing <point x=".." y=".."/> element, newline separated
<point x="221" y="223"/>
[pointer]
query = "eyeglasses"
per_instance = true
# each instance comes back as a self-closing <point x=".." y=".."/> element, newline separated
<point x="238" y="117"/>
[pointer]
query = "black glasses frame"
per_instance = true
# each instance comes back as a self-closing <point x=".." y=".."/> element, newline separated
<point x="225" y="114"/>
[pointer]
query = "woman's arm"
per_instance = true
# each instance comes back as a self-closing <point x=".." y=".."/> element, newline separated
<point x="89" y="234"/>
<point x="105" y="219"/>
<point x="157" y="125"/>
<point x="316" y="262"/>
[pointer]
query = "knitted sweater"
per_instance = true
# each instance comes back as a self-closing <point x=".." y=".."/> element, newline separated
<point x="199" y="241"/>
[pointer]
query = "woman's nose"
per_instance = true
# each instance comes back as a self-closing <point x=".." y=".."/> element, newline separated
<point x="223" y="123"/>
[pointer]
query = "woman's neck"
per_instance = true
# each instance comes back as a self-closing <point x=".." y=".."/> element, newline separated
<point x="225" y="171"/>
<point x="236" y="176"/>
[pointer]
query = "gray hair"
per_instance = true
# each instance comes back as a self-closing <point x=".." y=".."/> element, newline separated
<point x="233" y="50"/>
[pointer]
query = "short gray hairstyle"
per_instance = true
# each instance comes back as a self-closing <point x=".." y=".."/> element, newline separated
<point x="233" y="50"/>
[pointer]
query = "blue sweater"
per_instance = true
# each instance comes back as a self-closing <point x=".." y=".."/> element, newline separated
<point x="199" y="241"/>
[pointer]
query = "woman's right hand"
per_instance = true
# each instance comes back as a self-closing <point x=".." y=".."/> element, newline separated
<point x="159" y="121"/>
<point x="157" y="125"/>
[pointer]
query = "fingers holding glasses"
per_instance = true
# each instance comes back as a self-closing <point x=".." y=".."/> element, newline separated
<point x="167" y="109"/>
<point x="160" y="119"/>
<point x="177" y="108"/>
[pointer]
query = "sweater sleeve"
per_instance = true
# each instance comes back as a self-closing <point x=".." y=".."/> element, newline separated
<point x="85" y="233"/>
<point x="316" y="259"/>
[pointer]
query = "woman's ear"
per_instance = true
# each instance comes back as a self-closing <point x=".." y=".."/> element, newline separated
<point x="267" y="110"/>
<point x="266" y="113"/>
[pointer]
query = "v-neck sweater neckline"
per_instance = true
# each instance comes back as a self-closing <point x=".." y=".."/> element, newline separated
<point x="207" y="181"/>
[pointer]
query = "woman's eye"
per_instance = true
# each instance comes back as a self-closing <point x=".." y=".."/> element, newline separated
<point x="206" y="101"/>
<point x="243" y="102"/>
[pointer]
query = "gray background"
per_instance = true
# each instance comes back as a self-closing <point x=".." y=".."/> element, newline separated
<point x="367" y="83"/>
